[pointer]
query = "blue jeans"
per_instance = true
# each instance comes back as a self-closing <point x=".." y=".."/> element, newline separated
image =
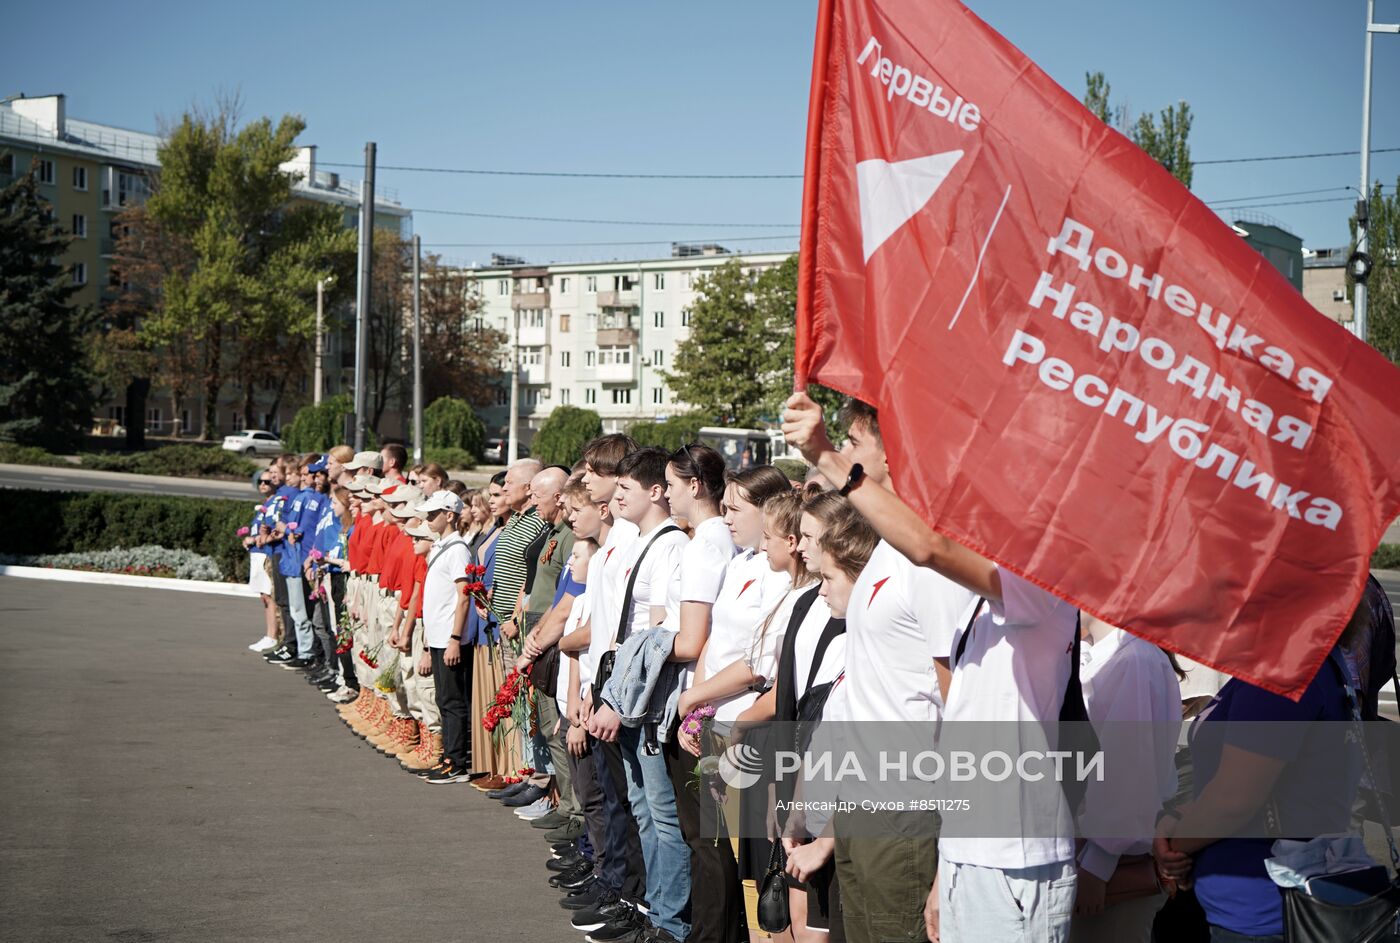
<point x="1221" y="935"/>
<point x="624" y="868"/>
<point x="296" y="602"/>
<point x="664" y="848"/>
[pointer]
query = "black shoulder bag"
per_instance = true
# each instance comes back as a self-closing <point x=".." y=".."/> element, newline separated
<point x="1077" y="734"/>
<point x="624" y="623"/>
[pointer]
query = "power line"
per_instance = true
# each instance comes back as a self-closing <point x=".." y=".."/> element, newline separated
<point x="1261" y="206"/>
<point x="601" y="222"/>
<point x="643" y="242"/>
<point x="1269" y="196"/>
<point x="1255" y="160"/>
<point x="569" y="173"/>
<point x="612" y="175"/>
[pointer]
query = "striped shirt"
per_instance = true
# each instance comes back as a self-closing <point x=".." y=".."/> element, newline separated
<point x="510" y="561"/>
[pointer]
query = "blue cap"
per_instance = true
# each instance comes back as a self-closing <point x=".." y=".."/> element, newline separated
<point x="319" y="465"/>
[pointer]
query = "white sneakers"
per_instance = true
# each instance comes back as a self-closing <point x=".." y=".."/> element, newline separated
<point x="263" y="644"/>
<point x="536" y="809"/>
<point x="343" y="695"/>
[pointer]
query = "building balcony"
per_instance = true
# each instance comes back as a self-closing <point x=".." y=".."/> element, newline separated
<point x="617" y="373"/>
<point x="617" y="337"/>
<point x="534" y="374"/>
<point x="530" y="300"/>
<point x="530" y="336"/>
<point x="618" y="299"/>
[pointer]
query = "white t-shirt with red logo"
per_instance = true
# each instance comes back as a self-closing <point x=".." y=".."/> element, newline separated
<point x="899" y="619"/>
<point x="752" y="590"/>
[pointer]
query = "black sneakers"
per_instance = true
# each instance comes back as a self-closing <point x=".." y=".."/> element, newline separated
<point x="600" y="915"/>
<point x="565" y="862"/>
<point x="590" y="895"/>
<point x="627" y="925"/>
<point x="445" y="772"/>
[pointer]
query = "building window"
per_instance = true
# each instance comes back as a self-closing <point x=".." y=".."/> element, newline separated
<point x="563" y="324"/>
<point x="621" y="356"/>
<point x="502" y="396"/>
<point x="43" y="170"/>
<point x="532" y="396"/>
<point x="590" y="357"/>
<point x="658" y="358"/>
<point x="564" y="283"/>
<point x="658" y="395"/>
<point x="658" y="319"/>
<point x="79" y="273"/>
<point x="658" y="281"/>
<point x="590" y="395"/>
<point x="565" y="359"/>
<point x="536" y="319"/>
<point x="79" y="226"/>
<point x="590" y="284"/>
<point x="185" y="421"/>
<point x="7" y="163"/>
<point x="153" y="419"/>
<point x="685" y="317"/>
<point x="117" y="413"/>
<point x="622" y="396"/>
<point x="503" y="286"/>
<point x="564" y="395"/>
<point x="79" y="178"/>
<point x="687" y="281"/>
<point x="592" y="317"/>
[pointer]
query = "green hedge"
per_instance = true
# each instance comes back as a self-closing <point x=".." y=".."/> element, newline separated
<point x="179" y="461"/>
<point x="669" y="434"/>
<point x="318" y="428"/>
<point x="451" y="425"/>
<point x="68" y="521"/>
<point x="450" y="459"/>
<point x="1386" y="557"/>
<point x="561" y="439"/>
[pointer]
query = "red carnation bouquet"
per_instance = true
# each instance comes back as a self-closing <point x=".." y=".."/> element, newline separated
<point x="514" y="703"/>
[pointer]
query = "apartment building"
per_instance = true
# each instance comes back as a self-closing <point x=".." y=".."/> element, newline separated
<point x="598" y="335"/>
<point x="90" y="172"/>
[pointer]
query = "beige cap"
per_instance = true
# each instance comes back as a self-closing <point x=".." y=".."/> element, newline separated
<point x="365" y="460"/>
<point x="361" y="485"/>
<point x="420" y="530"/>
<point x="404" y="494"/>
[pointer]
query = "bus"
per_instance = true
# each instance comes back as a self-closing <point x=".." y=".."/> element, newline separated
<point x="744" y="448"/>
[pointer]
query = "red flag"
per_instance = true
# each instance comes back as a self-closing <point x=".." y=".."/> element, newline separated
<point x="1082" y="373"/>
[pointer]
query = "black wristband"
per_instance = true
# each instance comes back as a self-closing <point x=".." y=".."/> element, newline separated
<point x="853" y="479"/>
<point x="456" y="638"/>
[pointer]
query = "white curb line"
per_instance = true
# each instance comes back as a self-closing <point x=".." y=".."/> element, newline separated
<point x="123" y="579"/>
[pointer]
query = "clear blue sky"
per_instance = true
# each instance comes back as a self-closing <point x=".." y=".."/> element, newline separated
<point x="719" y="87"/>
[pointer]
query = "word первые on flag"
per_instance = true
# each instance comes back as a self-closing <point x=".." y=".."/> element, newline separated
<point x="1074" y="359"/>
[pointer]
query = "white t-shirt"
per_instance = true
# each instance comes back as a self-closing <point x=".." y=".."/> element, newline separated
<point x="606" y="594"/>
<point x="1134" y="701"/>
<point x="447" y="565"/>
<point x="701" y="574"/>
<point x="1015" y="668"/>
<point x="900" y="618"/>
<point x="751" y="591"/>
<point x="658" y="579"/>
<point x="577" y="613"/>
<point x="804" y="648"/>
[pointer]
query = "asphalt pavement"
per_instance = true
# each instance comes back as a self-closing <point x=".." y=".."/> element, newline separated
<point x="159" y="782"/>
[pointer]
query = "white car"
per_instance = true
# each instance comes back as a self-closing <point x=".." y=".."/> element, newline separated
<point x="253" y="442"/>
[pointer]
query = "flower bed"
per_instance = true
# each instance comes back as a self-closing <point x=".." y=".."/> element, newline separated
<point x="148" y="560"/>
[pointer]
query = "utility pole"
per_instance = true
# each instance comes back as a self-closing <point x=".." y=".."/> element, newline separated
<point x="513" y="447"/>
<point x="417" y="351"/>
<point x="320" y="335"/>
<point x="362" y="293"/>
<point x="1360" y="262"/>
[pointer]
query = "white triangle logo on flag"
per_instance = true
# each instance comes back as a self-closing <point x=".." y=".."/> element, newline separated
<point x="891" y="193"/>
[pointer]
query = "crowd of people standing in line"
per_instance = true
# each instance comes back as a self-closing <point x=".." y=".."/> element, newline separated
<point x="654" y="606"/>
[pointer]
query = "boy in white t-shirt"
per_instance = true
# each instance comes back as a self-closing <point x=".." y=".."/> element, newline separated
<point x="650" y="572"/>
<point x="1014" y="667"/>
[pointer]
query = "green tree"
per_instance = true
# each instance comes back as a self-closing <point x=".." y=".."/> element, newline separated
<point x="317" y="428"/>
<point x="45" y="385"/>
<point x="1383" y="286"/>
<point x="461" y="354"/>
<point x="669" y="434"/>
<point x="727" y="368"/>
<point x="561" y="439"/>
<point x="1164" y="138"/>
<point x="451" y="423"/>
<point x="251" y="254"/>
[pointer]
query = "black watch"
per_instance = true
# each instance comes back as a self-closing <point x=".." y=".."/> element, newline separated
<point x="853" y="479"/>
